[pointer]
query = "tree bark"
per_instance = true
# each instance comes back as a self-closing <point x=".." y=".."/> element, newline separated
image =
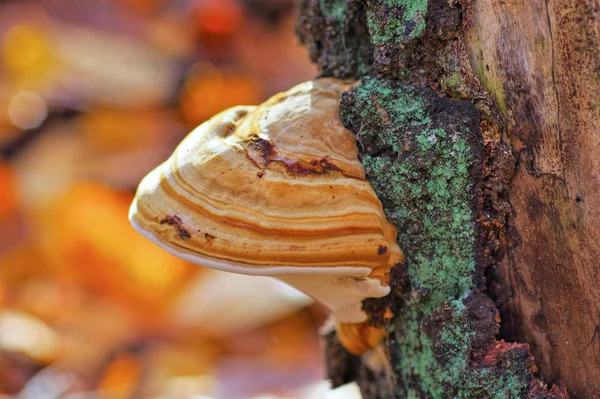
<point x="541" y="60"/>
<point x="478" y="124"/>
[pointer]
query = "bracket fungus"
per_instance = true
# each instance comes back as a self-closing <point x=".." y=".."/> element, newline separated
<point x="278" y="190"/>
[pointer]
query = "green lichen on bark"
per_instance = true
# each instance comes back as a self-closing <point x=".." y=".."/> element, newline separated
<point x="336" y="35"/>
<point x="421" y="153"/>
<point x="460" y="332"/>
<point x="335" y="9"/>
<point x="423" y="179"/>
<point x="405" y="19"/>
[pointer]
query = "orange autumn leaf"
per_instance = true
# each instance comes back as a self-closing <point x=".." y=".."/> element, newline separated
<point x="211" y="91"/>
<point x="221" y="18"/>
<point x="91" y="327"/>
<point x="114" y="130"/>
<point x="12" y="223"/>
<point x="8" y="191"/>
<point x="286" y="342"/>
<point x="180" y="371"/>
<point x="171" y="35"/>
<point x="90" y="238"/>
<point x="121" y="377"/>
<point x="142" y="7"/>
<point x="8" y="131"/>
<point x="28" y="56"/>
<point x="272" y="54"/>
<point x="120" y="146"/>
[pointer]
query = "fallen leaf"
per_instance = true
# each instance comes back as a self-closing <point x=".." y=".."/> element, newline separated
<point x="209" y="91"/>
<point x="121" y="378"/>
<point x="9" y="196"/>
<point x="88" y="235"/>
<point x="29" y="56"/>
<point x="22" y="333"/>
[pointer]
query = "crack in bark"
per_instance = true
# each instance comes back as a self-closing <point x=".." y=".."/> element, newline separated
<point x="557" y="98"/>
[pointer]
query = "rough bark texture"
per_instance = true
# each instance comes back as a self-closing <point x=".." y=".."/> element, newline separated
<point x="540" y="61"/>
<point x="478" y="126"/>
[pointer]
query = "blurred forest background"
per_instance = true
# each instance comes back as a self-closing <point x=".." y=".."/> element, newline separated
<point x="93" y="95"/>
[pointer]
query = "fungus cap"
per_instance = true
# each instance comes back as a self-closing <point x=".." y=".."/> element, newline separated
<point x="275" y="190"/>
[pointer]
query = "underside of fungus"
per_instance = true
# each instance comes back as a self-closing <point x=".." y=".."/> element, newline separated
<point x="278" y="190"/>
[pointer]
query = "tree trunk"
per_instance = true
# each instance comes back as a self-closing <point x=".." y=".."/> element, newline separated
<point x="478" y="123"/>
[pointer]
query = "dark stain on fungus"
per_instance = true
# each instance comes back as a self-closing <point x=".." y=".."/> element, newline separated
<point x="176" y="221"/>
<point x="183" y="233"/>
<point x="260" y="174"/>
<point x="381" y="250"/>
<point x="262" y="153"/>
<point x="299" y="167"/>
<point x="264" y="147"/>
